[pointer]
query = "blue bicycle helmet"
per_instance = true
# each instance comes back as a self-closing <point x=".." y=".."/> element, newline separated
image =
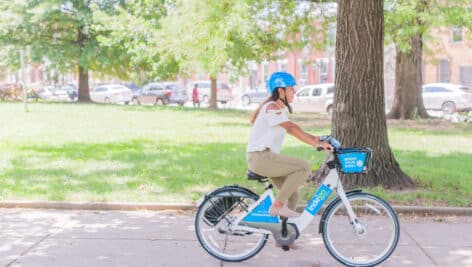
<point x="280" y="79"/>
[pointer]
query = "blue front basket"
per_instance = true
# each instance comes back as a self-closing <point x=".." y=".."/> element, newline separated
<point x="354" y="160"/>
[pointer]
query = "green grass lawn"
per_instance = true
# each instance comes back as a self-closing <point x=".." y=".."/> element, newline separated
<point x="80" y="152"/>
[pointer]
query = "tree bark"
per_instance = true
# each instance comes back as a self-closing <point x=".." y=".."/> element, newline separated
<point x="359" y="115"/>
<point x="408" y="100"/>
<point x="213" y="93"/>
<point x="84" y="92"/>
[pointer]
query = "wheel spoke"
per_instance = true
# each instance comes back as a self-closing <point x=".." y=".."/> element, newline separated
<point x="214" y="222"/>
<point x="368" y="244"/>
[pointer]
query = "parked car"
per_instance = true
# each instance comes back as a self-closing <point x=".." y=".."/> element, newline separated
<point x="446" y="97"/>
<point x="132" y="86"/>
<point x="66" y="92"/>
<point x="111" y="93"/>
<point x="178" y="93"/>
<point x="314" y="98"/>
<point x="256" y="95"/>
<point x="223" y="92"/>
<point x="152" y="93"/>
<point x="11" y="91"/>
<point x="57" y="93"/>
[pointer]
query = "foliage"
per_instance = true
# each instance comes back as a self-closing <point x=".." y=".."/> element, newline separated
<point x="60" y="33"/>
<point x="215" y="36"/>
<point x="9" y="60"/>
<point x="133" y="27"/>
<point x="407" y="18"/>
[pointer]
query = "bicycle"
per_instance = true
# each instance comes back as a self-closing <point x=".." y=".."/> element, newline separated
<point x="358" y="229"/>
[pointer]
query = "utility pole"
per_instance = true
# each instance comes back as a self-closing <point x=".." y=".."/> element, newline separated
<point x="22" y="74"/>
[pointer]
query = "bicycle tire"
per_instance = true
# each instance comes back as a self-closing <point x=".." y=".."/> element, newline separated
<point x="380" y="224"/>
<point x="215" y="213"/>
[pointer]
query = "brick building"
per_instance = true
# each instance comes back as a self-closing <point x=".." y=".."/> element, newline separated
<point x="448" y="57"/>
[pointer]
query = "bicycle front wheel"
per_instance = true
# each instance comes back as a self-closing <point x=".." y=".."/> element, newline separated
<point x="369" y="243"/>
<point x="217" y="233"/>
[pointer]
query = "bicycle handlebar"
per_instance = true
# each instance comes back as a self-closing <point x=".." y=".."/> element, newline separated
<point x="329" y="139"/>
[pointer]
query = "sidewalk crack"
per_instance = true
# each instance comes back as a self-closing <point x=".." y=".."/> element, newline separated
<point x="29" y="249"/>
<point x="61" y="227"/>
<point x="422" y="249"/>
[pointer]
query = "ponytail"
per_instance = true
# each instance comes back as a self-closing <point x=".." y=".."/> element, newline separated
<point x="273" y="97"/>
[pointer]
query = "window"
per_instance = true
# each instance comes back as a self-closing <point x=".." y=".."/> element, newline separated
<point x="265" y="71"/>
<point x="330" y="90"/>
<point x="223" y="86"/>
<point x="323" y="70"/>
<point x="444" y="71"/>
<point x="203" y="85"/>
<point x="283" y="67"/>
<point x="466" y="75"/>
<point x="155" y="87"/>
<point x="438" y="90"/>
<point x="303" y="73"/>
<point x="101" y="89"/>
<point x="316" y="92"/>
<point x="456" y="34"/>
<point x="303" y="92"/>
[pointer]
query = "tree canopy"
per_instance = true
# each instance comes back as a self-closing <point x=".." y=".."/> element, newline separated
<point x="63" y="33"/>
<point x="217" y="36"/>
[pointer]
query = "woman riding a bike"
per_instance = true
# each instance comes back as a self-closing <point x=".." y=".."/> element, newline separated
<point x="270" y="125"/>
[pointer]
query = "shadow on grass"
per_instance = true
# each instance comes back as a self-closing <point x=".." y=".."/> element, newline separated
<point x="147" y="170"/>
<point x="139" y="170"/>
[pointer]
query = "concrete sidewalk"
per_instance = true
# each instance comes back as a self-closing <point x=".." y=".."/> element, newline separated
<point x="144" y="238"/>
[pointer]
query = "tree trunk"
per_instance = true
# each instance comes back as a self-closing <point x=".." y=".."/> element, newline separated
<point x="213" y="94"/>
<point x="84" y="92"/>
<point x="408" y="100"/>
<point x="359" y="115"/>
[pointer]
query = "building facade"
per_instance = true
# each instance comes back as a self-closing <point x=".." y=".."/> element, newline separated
<point x="448" y="57"/>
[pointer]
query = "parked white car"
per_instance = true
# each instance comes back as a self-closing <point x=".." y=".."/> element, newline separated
<point x="111" y="93"/>
<point x="57" y="93"/>
<point x="446" y="97"/>
<point x="314" y="98"/>
<point x="256" y="95"/>
<point x="223" y="92"/>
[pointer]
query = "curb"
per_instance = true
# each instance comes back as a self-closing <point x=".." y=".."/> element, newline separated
<point x="433" y="211"/>
<point x="94" y="205"/>
<point x="407" y="210"/>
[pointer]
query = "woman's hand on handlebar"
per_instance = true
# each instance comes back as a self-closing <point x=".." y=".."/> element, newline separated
<point x="324" y="146"/>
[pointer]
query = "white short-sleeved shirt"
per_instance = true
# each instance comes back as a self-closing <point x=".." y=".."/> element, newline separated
<point x="266" y="131"/>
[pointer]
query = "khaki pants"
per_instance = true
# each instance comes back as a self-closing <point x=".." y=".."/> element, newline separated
<point x="287" y="173"/>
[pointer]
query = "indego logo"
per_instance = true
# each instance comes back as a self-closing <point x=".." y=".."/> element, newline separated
<point x="317" y="198"/>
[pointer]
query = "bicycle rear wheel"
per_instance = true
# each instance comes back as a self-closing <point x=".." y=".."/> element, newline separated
<point x="214" y="226"/>
<point x="368" y="245"/>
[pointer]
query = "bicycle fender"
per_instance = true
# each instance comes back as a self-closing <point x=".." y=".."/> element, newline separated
<point x="323" y="217"/>
<point x="234" y="187"/>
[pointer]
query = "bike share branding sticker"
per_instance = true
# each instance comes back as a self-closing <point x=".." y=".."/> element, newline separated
<point x="318" y="199"/>
<point x="261" y="213"/>
<point x="352" y="162"/>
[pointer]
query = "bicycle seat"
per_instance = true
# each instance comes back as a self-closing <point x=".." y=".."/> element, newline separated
<point x="254" y="176"/>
